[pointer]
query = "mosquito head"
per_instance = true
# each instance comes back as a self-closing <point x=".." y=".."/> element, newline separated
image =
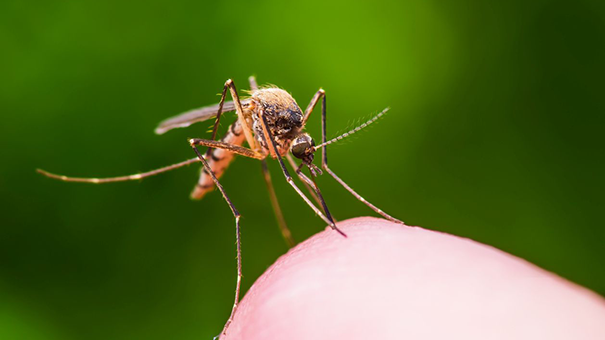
<point x="303" y="147"/>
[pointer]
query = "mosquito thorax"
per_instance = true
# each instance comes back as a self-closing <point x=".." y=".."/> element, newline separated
<point x="302" y="147"/>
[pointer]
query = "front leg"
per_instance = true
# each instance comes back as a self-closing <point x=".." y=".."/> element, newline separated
<point x="324" y="163"/>
<point x="273" y="148"/>
<point x="305" y="183"/>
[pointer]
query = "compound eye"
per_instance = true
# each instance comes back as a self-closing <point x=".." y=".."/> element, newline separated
<point x="302" y="146"/>
<point x="299" y="148"/>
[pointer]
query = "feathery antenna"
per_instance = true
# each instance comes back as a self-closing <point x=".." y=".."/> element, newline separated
<point x="348" y="133"/>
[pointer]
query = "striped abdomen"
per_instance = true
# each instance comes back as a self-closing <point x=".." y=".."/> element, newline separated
<point x="218" y="160"/>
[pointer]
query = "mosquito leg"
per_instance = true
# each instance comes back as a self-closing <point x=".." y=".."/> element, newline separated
<point x="311" y="183"/>
<point x="305" y="183"/>
<point x="237" y="149"/>
<point x="229" y="85"/>
<point x="319" y="94"/>
<point x="119" y="178"/>
<point x="218" y="117"/>
<point x="305" y="179"/>
<point x="219" y="159"/>
<point x="201" y="187"/>
<point x="281" y="221"/>
<point x="240" y="114"/>
<point x="324" y="163"/>
<point x="327" y="217"/>
<point x="363" y="200"/>
<point x="238" y="241"/>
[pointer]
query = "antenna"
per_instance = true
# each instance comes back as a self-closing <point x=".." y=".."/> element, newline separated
<point x="348" y="133"/>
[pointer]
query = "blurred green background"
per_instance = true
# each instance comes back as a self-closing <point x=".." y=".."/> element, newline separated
<point x="495" y="133"/>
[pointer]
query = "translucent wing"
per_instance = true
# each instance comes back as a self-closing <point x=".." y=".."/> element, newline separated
<point x="197" y="115"/>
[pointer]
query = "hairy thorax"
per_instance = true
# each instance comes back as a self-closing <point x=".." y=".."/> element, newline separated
<point x="284" y="117"/>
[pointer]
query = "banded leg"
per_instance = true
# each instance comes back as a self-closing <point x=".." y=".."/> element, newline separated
<point x="118" y="178"/>
<point x="238" y="241"/>
<point x="281" y="221"/>
<point x="324" y="163"/>
<point x="327" y="217"/>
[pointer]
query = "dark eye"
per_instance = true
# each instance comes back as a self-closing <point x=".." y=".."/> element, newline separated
<point x="302" y="146"/>
<point x="299" y="148"/>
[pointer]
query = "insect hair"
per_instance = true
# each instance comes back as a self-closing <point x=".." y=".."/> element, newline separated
<point x="350" y="126"/>
<point x="250" y="92"/>
<point x="357" y="129"/>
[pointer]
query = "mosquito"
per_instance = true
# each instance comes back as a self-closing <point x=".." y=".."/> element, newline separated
<point x="272" y="124"/>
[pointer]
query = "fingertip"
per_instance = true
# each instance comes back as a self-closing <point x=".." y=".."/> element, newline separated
<point x="390" y="281"/>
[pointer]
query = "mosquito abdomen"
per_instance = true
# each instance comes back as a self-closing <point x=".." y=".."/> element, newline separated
<point x="218" y="160"/>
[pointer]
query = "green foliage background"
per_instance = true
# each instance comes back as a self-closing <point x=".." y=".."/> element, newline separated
<point x="495" y="133"/>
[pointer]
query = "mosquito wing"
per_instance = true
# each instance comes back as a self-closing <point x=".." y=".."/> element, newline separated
<point x="197" y="115"/>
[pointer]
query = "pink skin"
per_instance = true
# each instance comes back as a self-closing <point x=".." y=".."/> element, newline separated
<point x="388" y="281"/>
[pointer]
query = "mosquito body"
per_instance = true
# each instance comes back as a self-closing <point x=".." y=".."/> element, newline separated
<point x="284" y="118"/>
<point x="272" y="124"/>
